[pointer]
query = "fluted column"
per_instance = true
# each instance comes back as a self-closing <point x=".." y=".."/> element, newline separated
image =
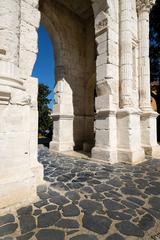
<point x="143" y="9"/>
<point x="125" y="54"/>
<point x="148" y="116"/>
<point x="128" y="117"/>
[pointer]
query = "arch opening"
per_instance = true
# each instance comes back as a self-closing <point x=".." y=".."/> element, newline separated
<point x="70" y="25"/>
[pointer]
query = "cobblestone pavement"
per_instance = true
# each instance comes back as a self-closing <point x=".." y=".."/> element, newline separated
<point x="84" y="200"/>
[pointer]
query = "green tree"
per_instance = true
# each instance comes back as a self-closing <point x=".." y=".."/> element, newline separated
<point x="45" y="121"/>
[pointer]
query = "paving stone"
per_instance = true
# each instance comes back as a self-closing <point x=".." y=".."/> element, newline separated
<point x="131" y="191"/>
<point x="86" y="190"/>
<point x="115" y="182"/>
<point x="141" y="182"/>
<point x="155" y="202"/>
<point x="75" y="185"/>
<point x="67" y="223"/>
<point x="60" y="186"/>
<point x="70" y="210"/>
<point x="119" y="199"/>
<point x="90" y="206"/>
<point x="97" y="196"/>
<point x="136" y="200"/>
<point x="115" y="236"/>
<point x="27" y="223"/>
<point x="80" y="179"/>
<point x="59" y="200"/>
<point x="51" y="207"/>
<point x="41" y="203"/>
<point x="101" y="175"/>
<point x="115" y="194"/>
<point x="153" y="212"/>
<point x="37" y="212"/>
<point x="85" y="174"/>
<point x="25" y="236"/>
<point x="118" y="215"/>
<point x="130" y="211"/>
<point x="102" y="187"/>
<point x="24" y="210"/>
<point x="73" y="195"/>
<point x="112" y="205"/>
<point x="155" y="184"/>
<point x="43" y="195"/>
<point x="8" y="218"/>
<point x="153" y="190"/>
<point x="146" y="222"/>
<point x="66" y="177"/>
<point x="84" y="237"/>
<point x="129" y="229"/>
<point x="48" y="219"/>
<point x="129" y="204"/>
<point x="96" y="223"/>
<point x="8" y="229"/>
<point x="93" y="181"/>
<point x="53" y="193"/>
<point x="50" y="234"/>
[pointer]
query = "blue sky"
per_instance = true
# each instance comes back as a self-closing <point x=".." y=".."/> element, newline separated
<point x="44" y="66"/>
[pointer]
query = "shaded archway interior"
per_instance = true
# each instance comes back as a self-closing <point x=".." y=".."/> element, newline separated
<point x="71" y="27"/>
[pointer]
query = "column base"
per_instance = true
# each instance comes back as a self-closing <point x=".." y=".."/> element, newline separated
<point x="152" y="151"/>
<point x="60" y="146"/>
<point x="129" y="140"/>
<point x="18" y="188"/>
<point x="149" y="134"/>
<point x="131" y="157"/>
<point x="107" y="155"/>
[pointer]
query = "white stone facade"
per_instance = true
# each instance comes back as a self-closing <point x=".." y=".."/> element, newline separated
<point x="102" y="92"/>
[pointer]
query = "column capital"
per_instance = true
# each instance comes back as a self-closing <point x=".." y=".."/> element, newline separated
<point x="144" y="5"/>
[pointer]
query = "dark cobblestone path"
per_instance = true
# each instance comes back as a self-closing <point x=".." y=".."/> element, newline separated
<point x="84" y="200"/>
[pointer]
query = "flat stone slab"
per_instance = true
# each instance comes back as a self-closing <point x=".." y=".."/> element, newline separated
<point x="84" y="200"/>
<point x="48" y="234"/>
<point x="48" y="219"/>
<point x="96" y="223"/>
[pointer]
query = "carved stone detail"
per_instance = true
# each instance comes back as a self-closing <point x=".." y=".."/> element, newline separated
<point x="145" y="5"/>
<point x="101" y="23"/>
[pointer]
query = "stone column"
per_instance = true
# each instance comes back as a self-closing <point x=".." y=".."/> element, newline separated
<point x="148" y="116"/>
<point x="62" y="114"/>
<point x="16" y="175"/>
<point x="128" y="117"/>
<point x="107" y="88"/>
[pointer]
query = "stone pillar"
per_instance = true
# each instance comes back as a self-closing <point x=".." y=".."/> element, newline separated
<point x="17" y="178"/>
<point x="106" y="81"/>
<point x="128" y="118"/>
<point x="62" y="114"/>
<point x="148" y="116"/>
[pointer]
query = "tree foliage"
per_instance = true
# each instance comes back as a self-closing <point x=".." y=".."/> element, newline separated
<point x="45" y="120"/>
<point x="155" y="41"/>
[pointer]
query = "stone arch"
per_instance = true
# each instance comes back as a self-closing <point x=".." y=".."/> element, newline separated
<point x="69" y="108"/>
<point x="55" y="37"/>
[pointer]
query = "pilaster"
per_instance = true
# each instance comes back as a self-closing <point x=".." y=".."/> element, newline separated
<point x="128" y="116"/>
<point x="148" y="117"/>
<point x="107" y="76"/>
